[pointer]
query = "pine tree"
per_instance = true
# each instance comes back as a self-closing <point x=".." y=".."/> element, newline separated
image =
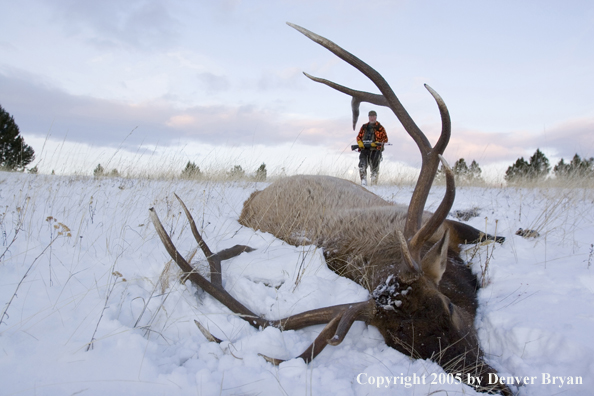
<point x="261" y="173"/>
<point x="461" y="170"/>
<point x="14" y="153"/>
<point x="191" y="171"/>
<point x="475" y="171"/>
<point x="561" y="169"/>
<point x="576" y="168"/>
<point x="98" y="171"/>
<point x="517" y="171"/>
<point x="583" y="167"/>
<point x="537" y="169"/>
<point x="236" y="172"/>
<point x="539" y="165"/>
<point x="463" y="173"/>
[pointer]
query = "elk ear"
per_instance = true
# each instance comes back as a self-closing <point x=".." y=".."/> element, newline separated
<point x="435" y="261"/>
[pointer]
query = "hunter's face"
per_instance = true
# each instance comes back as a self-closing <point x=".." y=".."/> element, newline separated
<point x="372" y="118"/>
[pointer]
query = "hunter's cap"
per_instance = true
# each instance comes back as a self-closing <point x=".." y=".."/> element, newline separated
<point x="372" y="113"/>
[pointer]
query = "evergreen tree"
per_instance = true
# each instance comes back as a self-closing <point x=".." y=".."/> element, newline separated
<point x="475" y="171"/>
<point x="583" y="167"/>
<point x="191" y="171"/>
<point x="261" y="173"/>
<point x="537" y="169"/>
<point x="461" y="170"/>
<point x="576" y="168"/>
<point x="517" y="171"/>
<point x="14" y="153"/>
<point x="236" y="172"/>
<point x="463" y="173"/>
<point x="562" y="169"/>
<point x="98" y="171"/>
<point x="539" y="165"/>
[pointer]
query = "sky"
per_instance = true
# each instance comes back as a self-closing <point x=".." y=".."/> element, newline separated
<point x="159" y="83"/>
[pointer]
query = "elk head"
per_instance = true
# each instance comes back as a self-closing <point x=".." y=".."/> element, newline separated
<point x="416" y="316"/>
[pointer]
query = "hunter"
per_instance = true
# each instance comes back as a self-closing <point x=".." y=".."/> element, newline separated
<point x="371" y="140"/>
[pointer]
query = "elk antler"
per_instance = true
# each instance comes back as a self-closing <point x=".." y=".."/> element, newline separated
<point x="430" y="155"/>
<point x="339" y="318"/>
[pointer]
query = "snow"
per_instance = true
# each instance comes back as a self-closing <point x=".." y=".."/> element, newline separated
<point x="90" y="310"/>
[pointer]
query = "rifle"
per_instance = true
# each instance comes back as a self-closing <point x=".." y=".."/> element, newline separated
<point x="367" y="145"/>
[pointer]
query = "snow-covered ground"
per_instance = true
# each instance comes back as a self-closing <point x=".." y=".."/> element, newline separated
<point x="88" y="308"/>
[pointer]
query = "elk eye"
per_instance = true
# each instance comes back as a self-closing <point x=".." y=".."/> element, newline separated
<point x="451" y="308"/>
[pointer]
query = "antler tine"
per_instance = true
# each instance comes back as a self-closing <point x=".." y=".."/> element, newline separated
<point x="207" y="333"/>
<point x="360" y="311"/>
<point x="216" y="275"/>
<point x="358" y="96"/>
<point x="321" y="340"/>
<point x="429" y="228"/>
<point x="214" y="290"/>
<point x="214" y="260"/>
<point x="406" y="255"/>
<point x="430" y="163"/>
<point x="316" y="347"/>
<point x="446" y="123"/>
<point x="336" y="329"/>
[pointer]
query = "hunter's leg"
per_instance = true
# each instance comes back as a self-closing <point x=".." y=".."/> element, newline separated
<point x="376" y="158"/>
<point x="363" y="161"/>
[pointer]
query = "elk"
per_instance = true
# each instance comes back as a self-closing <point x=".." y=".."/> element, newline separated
<point x="422" y="296"/>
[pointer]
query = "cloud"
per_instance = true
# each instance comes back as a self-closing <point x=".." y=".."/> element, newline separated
<point x="571" y="137"/>
<point x="113" y="23"/>
<point x="213" y="83"/>
<point x="180" y="121"/>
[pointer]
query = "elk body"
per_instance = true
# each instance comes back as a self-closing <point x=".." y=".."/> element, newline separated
<point x="422" y="297"/>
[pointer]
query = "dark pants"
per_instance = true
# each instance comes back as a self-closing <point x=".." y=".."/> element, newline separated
<point x="371" y="158"/>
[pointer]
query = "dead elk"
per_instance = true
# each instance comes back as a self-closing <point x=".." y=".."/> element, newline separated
<point x="422" y="297"/>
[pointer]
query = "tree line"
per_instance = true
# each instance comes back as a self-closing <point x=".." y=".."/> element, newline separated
<point x="463" y="173"/>
<point x="192" y="171"/>
<point x="537" y="168"/>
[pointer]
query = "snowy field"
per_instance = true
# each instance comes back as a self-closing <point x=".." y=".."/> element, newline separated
<point x="92" y="306"/>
